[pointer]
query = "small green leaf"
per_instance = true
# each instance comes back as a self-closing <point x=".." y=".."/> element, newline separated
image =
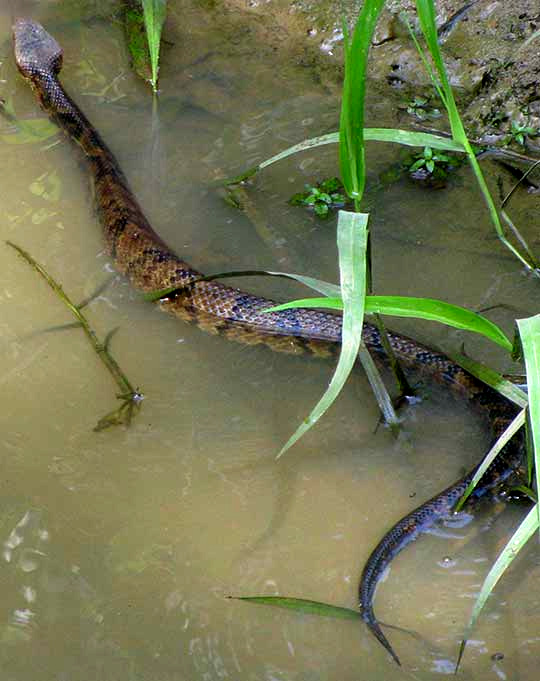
<point x="321" y="209"/>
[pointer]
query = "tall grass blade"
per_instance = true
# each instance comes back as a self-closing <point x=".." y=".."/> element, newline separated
<point x="303" y="605"/>
<point x="426" y="16"/>
<point x="507" y="555"/>
<point x="155" y="12"/>
<point x="351" y="126"/>
<point x="352" y="243"/>
<point x="529" y="332"/>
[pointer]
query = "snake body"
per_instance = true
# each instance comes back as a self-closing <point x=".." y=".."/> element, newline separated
<point x="139" y="253"/>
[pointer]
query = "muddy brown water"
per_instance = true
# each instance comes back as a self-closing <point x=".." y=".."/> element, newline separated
<point x="119" y="548"/>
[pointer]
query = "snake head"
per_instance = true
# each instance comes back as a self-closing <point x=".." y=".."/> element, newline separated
<point x="37" y="53"/>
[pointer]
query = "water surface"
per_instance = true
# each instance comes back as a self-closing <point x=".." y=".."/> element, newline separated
<point x="120" y="547"/>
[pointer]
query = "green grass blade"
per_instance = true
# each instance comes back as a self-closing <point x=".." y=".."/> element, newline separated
<point x="440" y="311"/>
<point x="352" y="242"/>
<point x="492" y="378"/>
<point x="154" y="18"/>
<point x="303" y="605"/>
<point x="311" y="282"/>
<point x="529" y="332"/>
<point x="426" y="16"/>
<point x="517" y="423"/>
<point x="378" y="387"/>
<point x="507" y="555"/>
<point x="327" y="303"/>
<point x="351" y="127"/>
<point x="420" y="308"/>
<point x="394" y="135"/>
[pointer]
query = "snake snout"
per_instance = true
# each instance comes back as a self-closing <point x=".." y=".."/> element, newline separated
<point x="36" y="52"/>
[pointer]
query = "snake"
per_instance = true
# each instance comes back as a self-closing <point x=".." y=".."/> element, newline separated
<point x="140" y="254"/>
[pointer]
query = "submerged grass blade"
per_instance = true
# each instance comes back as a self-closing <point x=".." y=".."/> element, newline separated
<point x="352" y="242"/>
<point x="507" y="555"/>
<point x="303" y="605"/>
<point x="420" y="308"/>
<point x="130" y="397"/>
<point x="311" y="282"/>
<point x="155" y="12"/>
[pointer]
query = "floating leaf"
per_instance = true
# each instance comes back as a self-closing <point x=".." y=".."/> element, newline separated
<point x="303" y="605"/>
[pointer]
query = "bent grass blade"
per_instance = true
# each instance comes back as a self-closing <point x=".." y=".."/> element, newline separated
<point x="420" y="308"/>
<point x="311" y="282"/>
<point x="393" y="135"/>
<point x="352" y="243"/>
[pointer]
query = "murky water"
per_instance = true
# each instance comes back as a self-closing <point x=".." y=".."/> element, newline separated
<point x="120" y="547"/>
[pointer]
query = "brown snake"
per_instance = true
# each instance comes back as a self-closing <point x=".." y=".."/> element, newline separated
<point x="139" y="253"/>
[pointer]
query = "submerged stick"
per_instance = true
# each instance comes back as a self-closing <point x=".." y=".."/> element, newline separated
<point x="130" y="397"/>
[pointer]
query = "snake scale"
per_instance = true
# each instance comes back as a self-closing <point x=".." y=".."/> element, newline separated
<point x="150" y="265"/>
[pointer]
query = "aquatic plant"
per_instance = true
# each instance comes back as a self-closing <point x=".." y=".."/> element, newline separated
<point x="419" y="108"/>
<point x="519" y="132"/>
<point x="322" y="197"/>
<point x="430" y="161"/>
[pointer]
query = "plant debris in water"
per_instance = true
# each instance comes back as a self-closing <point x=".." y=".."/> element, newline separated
<point x="322" y="198"/>
<point x="130" y="397"/>
<point x="420" y="108"/>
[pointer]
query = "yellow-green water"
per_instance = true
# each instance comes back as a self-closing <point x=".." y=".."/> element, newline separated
<point x="120" y="547"/>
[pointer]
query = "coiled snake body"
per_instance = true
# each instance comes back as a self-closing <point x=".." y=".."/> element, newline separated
<point x="139" y="253"/>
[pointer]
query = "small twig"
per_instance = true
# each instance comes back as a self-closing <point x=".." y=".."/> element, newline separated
<point x="130" y="397"/>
